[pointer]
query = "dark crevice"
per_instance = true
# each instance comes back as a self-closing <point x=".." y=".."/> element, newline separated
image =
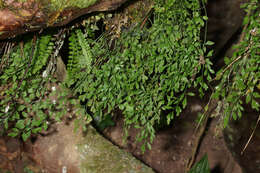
<point x="218" y="59"/>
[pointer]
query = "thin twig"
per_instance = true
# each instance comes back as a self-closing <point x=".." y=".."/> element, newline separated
<point x="146" y="18"/>
<point x="7" y="50"/>
<point x="247" y="53"/>
<point x="206" y="23"/>
<point x="196" y="144"/>
<point x="198" y="139"/>
<point x="245" y="27"/>
<point x="251" y="135"/>
<point x="202" y="116"/>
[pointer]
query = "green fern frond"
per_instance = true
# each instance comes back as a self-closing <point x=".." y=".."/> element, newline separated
<point x="80" y="57"/>
<point x="85" y="61"/>
<point x="45" y="48"/>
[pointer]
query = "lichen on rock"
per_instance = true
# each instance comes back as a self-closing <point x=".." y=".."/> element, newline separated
<point x="61" y="4"/>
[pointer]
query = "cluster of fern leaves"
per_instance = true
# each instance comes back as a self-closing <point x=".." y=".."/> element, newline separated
<point x="147" y="72"/>
<point x="30" y="98"/>
<point x="239" y="81"/>
<point x="23" y="87"/>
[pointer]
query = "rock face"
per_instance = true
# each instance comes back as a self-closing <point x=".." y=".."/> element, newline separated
<point x="172" y="146"/>
<point x="17" y="17"/>
<point x="66" y="151"/>
<point x="225" y="18"/>
<point x="10" y="152"/>
<point x="236" y="137"/>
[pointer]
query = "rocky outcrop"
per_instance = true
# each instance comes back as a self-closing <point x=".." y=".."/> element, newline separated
<point x="17" y="17"/>
<point x="66" y="151"/>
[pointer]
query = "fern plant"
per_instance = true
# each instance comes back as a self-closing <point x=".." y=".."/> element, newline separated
<point x="146" y="73"/>
<point x="21" y="84"/>
<point x="238" y="81"/>
<point x="149" y="70"/>
<point x="28" y="88"/>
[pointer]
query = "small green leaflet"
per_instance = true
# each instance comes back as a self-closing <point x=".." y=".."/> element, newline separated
<point x="202" y="166"/>
<point x="209" y="43"/>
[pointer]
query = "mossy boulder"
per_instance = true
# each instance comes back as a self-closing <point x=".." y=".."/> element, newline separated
<point x="89" y="152"/>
